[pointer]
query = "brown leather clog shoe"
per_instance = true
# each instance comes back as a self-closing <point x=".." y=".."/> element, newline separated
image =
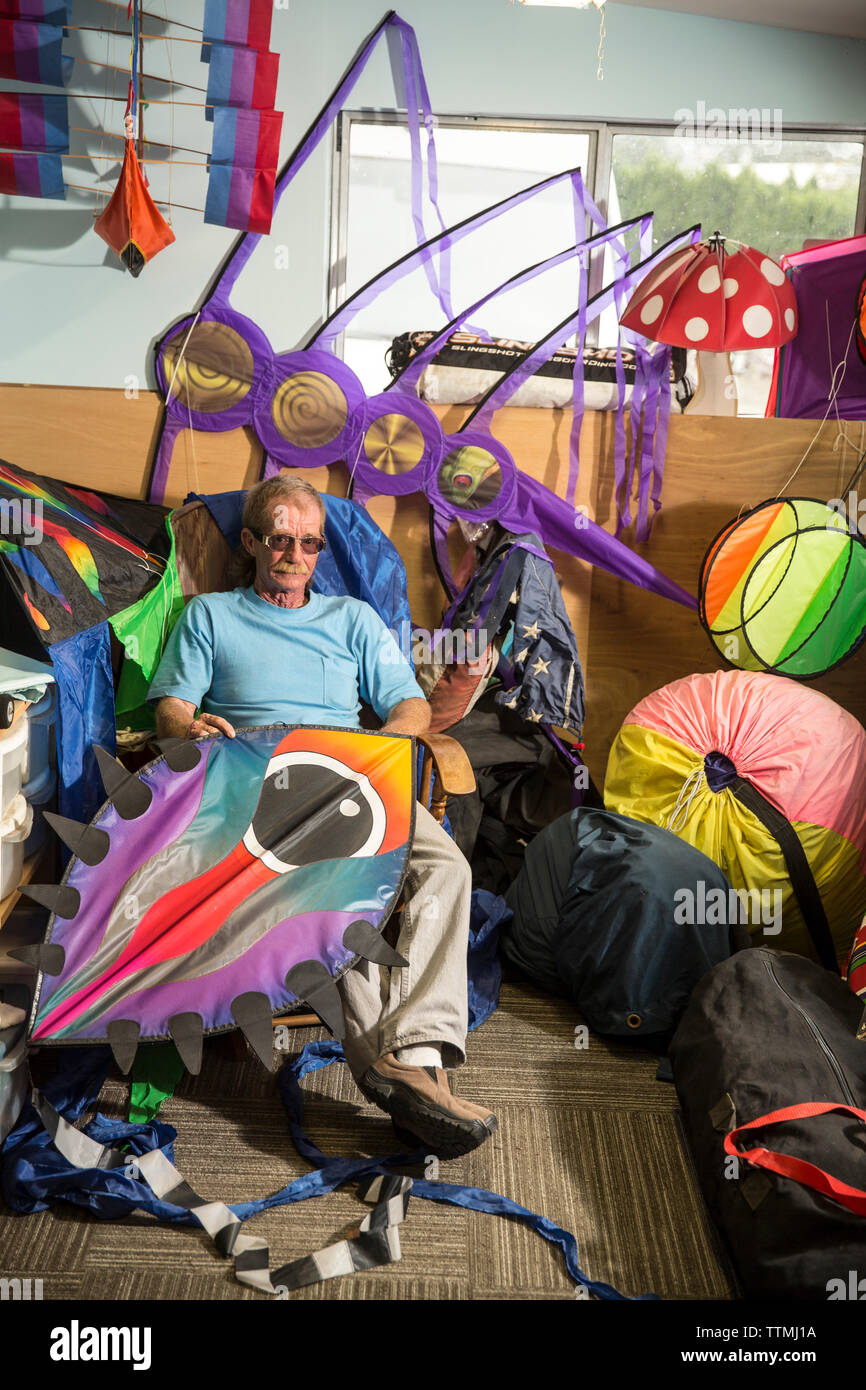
<point x="423" y="1109"/>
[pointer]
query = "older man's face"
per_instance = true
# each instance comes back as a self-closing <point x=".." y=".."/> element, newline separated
<point x="286" y="571"/>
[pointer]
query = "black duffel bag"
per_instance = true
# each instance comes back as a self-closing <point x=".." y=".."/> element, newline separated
<point x="595" y="919"/>
<point x="772" y="1081"/>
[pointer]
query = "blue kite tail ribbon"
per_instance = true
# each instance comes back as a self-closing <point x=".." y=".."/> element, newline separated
<point x="333" y="1172"/>
<point x="35" y="1174"/>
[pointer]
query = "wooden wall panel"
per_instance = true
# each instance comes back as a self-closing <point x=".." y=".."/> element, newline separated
<point x="714" y="469"/>
<point x="631" y="642"/>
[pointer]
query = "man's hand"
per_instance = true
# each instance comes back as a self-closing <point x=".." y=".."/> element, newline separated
<point x="209" y="724"/>
<point x="176" y="719"/>
<point x="408" y="717"/>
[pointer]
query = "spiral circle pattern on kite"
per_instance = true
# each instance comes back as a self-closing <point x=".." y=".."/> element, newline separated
<point x="309" y="410"/>
<point x="393" y="444"/>
<point x="215" y="371"/>
<point x="783" y="589"/>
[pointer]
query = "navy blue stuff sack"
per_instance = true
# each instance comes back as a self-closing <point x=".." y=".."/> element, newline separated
<point x="596" y="919"/>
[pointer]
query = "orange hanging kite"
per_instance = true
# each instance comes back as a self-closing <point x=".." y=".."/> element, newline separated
<point x="131" y="223"/>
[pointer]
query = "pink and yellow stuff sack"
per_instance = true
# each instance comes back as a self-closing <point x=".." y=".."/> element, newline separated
<point x="689" y="756"/>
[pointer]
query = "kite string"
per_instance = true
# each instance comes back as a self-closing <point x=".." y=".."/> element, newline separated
<point x="149" y="14"/>
<point x="113" y="80"/>
<point x="171" y="116"/>
<point x="177" y="366"/>
<point x="858" y="469"/>
<point x="195" y="486"/>
<point x="357" y="460"/>
<point x="180" y="358"/>
<point x="836" y="381"/>
<point x="842" y="436"/>
<point x="687" y="793"/>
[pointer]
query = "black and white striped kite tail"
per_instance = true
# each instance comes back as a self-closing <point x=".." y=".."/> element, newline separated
<point x="377" y="1242"/>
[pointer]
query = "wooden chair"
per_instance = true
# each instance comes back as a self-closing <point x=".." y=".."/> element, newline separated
<point x="203" y="558"/>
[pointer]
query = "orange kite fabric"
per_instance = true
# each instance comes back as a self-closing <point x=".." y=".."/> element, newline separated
<point x="131" y="223"/>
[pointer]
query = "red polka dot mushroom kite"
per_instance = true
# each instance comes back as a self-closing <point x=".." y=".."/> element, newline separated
<point x="704" y="296"/>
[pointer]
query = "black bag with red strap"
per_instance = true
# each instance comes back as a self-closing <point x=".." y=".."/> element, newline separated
<point x="771" y="1077"/>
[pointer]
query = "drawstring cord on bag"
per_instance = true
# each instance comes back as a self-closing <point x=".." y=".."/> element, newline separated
<point x="688" y="791"/>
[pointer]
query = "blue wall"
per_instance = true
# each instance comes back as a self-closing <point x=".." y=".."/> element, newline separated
<point x="70" y="316"/>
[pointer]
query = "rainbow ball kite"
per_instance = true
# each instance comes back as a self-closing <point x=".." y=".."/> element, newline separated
<point x="783" y="588"/>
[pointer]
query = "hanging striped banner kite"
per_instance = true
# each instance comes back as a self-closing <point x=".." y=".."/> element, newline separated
<point x="33" y="121"/>
<point x="32" y="53"/>
<point x="243" y="172"/>
<point x="31" y="175"/>
<point x="40" y="11"/>
<point x="243" y="22"/>
<point x="240" y="77"/>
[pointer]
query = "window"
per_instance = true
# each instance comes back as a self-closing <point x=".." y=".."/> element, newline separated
<point x="770" y="188"/>
<point x="478" y="165"/>
<point x="772" y="193"/>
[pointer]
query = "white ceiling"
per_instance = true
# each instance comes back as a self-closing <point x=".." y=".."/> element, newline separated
<point x="843" y="17"/>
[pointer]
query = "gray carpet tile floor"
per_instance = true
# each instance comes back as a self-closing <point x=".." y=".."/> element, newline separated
<point x="587" y="1137"/>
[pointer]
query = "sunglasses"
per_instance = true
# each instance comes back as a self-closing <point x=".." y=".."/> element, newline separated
<point x="310" y="545"/>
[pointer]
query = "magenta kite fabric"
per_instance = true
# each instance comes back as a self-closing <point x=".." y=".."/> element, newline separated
<point x="830" y="349"/>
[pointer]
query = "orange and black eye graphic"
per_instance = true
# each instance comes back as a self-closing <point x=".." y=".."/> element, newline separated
<point x="215" y="368"/>
<point x="309" y="410"/>
<point x="314" y="807"/>
<point x="394" y="444"/>
<point x="861" y="319"/>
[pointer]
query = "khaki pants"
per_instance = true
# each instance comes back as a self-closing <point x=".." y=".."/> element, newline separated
<point x="424" y="1002"/>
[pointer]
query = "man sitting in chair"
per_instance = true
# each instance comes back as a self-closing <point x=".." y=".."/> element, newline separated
<point x="272" y="652"/>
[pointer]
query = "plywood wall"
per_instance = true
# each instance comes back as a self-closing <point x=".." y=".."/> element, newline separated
<point x="631" y="642"/>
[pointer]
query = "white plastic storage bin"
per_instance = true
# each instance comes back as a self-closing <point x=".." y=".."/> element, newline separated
<point x="15" y="827"/>
<point x="40" y="795"/>
<point x="13" y="1057"/>
<point x="41" y="753"/>
<point x="13" y="761"/>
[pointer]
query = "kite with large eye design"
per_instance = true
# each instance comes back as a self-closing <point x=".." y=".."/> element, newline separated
<point x="228" y="879"/>
<point x="309" y="800"/>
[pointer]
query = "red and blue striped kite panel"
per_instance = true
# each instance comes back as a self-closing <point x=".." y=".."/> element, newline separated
<point x="33" y="121"/>
<point x="41" y="11"/>
<point x="243" y="22"/>
<point x="31" y="52"/>
<point x="241" y="77"/>
<point x="246" y="148"/>
<point x="31" y="175"/>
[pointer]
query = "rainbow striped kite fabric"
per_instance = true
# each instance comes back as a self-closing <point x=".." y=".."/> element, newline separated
<point x="855" y="968"/>
<point x="70" y="565"/>
<point x="783" y="588"/>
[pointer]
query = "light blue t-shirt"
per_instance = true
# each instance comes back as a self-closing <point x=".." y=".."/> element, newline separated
<point x="238" y="656"/>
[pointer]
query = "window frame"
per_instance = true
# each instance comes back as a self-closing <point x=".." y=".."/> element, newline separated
<point x="597" y="174"/>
